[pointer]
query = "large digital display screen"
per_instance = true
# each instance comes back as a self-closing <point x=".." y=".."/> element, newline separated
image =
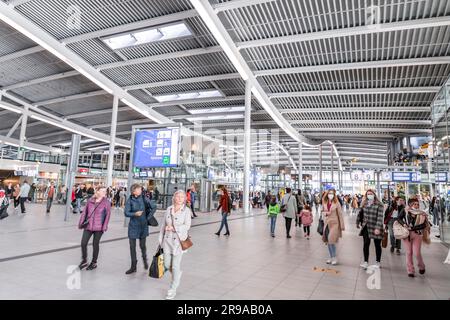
<point x="156" y="148"/>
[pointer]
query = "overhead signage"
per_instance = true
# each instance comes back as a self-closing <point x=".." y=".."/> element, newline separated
<point x="401" y="176"/>
<point x="156" y="148"/>
<point x="441" y="177"/>
<point x="357" y="175"/>
<point x="386" y="176"/>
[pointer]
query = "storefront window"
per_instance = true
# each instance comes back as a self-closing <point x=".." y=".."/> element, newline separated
<point x="440" y="116"/>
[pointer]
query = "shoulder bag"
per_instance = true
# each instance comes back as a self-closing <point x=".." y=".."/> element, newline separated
<point x="185" y="244"/>
<point x="284" y="206"/>
<point x="400" y="231"/>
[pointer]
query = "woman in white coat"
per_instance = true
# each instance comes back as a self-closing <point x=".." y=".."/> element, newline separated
<point x="174" y="228"/>
<point x="290" y="204"/>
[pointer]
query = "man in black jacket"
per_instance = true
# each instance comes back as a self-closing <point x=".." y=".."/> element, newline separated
<point x="79" y="197"/>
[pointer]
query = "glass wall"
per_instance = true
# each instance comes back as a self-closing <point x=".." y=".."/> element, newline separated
<point x="441" y="151"/>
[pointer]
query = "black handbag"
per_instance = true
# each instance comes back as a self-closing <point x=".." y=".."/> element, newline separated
<point x="320" y="226"/>
<point x="151" y="221"/>
<point x="4" y="213"/>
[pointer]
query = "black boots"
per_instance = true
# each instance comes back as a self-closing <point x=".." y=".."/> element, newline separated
<point x="145" y="263"/>
<point x="83" y="264"/>
<point x="132" y="269"/>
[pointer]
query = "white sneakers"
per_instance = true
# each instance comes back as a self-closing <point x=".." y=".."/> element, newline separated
<point x="365" y="265"/>
<point x="328" y="261"/>
<point x="334" y="262"/>
<point x="171" y="294"/>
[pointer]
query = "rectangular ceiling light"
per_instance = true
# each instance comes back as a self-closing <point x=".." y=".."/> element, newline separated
<point x="211" y="118"/>
<point x="189" y="95"/>
<point x="144" y="36"/>
<point x="218" y="110"/>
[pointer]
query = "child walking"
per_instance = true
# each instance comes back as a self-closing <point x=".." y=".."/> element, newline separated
<point x="307" y="220"/>
<point x="274" y="210"/>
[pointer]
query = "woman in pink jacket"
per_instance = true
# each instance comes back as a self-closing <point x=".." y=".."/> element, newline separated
<point x="94" y="220"/>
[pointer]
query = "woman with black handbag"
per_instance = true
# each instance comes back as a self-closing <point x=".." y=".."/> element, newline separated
<point x="94" y="220"/>
<point x="173" y="236"/>
<point x="140" y="210"/>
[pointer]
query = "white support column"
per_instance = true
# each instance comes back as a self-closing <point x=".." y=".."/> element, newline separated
<point x="112" y="144"/>
<point x="247" y="146"/>
<point x="72" y="165"/>
<point x="320" y="170"/>
<point x="23" y="130"/>
<point x="332" y="166"/>
<point x="300" y="165"/>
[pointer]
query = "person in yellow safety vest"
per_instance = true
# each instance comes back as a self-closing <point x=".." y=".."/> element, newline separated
<point x="274" y="210"/>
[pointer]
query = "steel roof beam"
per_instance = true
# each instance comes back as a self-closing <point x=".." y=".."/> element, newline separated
<point x="364" y="121"/>
<point x="29" y="145"/>
<point x="366" y="129"/>
<point x="194" y="101"/>
<point x="45" y="40"/>
<point x="161" y="57"/>
<point x="27" y="83"/>
<point x="356" y="66"/>
<point x="353" y="31"/>
<point x="212" y="21"/>
<point x="39" y="115"/>
<point x="235" y="4"/>
<point x="96" y="113"/>
<point x="21" y="53"/>
<point x="183" y="81"/>
<point x="71" y="98"/>
<point x="317" y="93"/>
<point x="356" y="109"/>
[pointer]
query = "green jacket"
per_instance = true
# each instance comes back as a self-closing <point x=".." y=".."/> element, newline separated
<point x="274" y="209"/>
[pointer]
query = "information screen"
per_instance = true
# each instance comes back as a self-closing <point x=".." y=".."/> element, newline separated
<point x="156" y="148"/>
<point x="406" y="176"/>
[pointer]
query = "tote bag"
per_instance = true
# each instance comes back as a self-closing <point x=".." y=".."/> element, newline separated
<point x="157" y="267"/>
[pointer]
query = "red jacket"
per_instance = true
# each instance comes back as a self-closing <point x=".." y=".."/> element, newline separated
<point x="223" y="203"/>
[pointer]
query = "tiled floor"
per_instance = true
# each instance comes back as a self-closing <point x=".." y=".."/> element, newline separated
<point x="248" y="265"/>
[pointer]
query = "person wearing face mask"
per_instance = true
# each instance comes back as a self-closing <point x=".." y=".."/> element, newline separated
<point x="417" y="223"/>
<point x="370" y="219"/>
<point x="390" y="216"/>
<point x="4" y="203"/>
<point x="333" y="223"/>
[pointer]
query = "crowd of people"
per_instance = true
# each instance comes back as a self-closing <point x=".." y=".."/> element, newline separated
<point x="140" y="208"/>
<point x="380" y="221"/>
<point x="403" y="225"/>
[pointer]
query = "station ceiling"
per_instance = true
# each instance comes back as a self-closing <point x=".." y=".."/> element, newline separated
<point x="330" y="72"/>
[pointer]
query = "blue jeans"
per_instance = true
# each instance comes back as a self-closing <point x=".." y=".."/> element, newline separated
<point x="224" y="222"/>
<point x="273" y="221"/>
<point x="332" y="250"/>
<point x="79" y="204"/>
<point x="395" y="243"/>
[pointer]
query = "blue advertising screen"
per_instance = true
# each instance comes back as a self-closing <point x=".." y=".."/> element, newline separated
<point x="156" y="148"/>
